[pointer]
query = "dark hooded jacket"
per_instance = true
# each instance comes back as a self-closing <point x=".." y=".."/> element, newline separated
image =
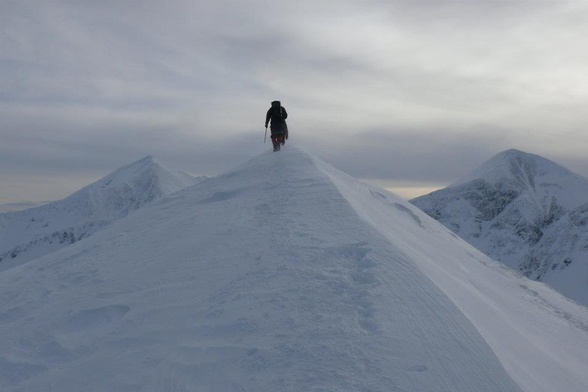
<point x="278" y="115"/>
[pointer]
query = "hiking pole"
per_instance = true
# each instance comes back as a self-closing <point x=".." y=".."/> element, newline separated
<point x="265" y="135"/>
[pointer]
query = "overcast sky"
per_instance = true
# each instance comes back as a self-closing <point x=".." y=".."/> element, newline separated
<point x="409" y="94"/>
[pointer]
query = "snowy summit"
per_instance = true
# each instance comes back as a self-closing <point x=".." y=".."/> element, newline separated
<point x="526" y="211"/>
<point x="283" y="274"/>
<point x="29" y="234"/>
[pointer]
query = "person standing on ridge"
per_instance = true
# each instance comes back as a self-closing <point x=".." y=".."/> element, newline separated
<point x="278" y="115"/>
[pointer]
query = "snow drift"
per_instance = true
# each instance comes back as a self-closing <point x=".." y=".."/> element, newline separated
<point x="525" y="211"/>
<point x="283" y="274"/>
<point x="29" y="234"/>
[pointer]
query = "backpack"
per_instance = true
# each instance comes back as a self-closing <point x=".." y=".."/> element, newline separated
<point x="277" y="115"/>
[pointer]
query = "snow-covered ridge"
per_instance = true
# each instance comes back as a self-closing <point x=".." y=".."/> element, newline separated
<point x="525" y="211"/>
<point x="31" y="233"/>
<point x="283" y="274"/>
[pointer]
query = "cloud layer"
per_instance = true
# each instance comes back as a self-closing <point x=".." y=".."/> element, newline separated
<point x="413" y="91"/>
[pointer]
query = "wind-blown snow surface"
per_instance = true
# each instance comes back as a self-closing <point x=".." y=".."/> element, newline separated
<point x="29" y="234"/>
<point x="525" y="211"/>
<point x="283" y="275"/>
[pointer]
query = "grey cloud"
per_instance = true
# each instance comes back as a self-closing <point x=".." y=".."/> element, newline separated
<point x="97" y="141"/>
<point x="383" y="89"/>
<point x="418" y="155"/>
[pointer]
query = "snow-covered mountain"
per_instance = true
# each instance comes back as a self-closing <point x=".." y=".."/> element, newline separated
<point x="283" y="274"/>
<point x="31" y="233"/>
<point x="525" y="211"/>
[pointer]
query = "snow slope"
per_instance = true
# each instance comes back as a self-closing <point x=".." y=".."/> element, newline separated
<point x="29" y="234"/>
<point x="11" y="207"/>
<point x="283" y="274"/>
<point x="525" y="211"/>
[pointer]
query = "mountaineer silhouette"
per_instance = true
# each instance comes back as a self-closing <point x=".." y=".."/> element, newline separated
<point x="277" y="115"/>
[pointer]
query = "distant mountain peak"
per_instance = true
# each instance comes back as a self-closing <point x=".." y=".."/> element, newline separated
<point x="514" y="153"/>
<point x="132" y="168"/>
<point x="517" y="157"/>
<point x="523" y="210"/>
<point x="143" y="175"/>
<point x="31" y="233"/>
<point x="147" y="158"/>
<point x="517" y="169"/>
